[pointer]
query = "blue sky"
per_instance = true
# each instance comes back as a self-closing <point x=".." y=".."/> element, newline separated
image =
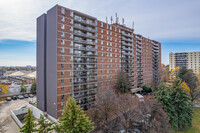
<point x="176" y="24"/>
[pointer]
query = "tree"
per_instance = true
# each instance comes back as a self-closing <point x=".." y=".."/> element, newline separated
<point x="29" y="125"/>
<point x="74" y="120"/>
<point x="193" y="83"/>
<point x="23" y="87"/>
<point x="182" y="71"/>
<point x="33" y="87"/>
<point x="123" y="83"/>
<point x="116" y="112"/>
<point x="44" y="125"/>
<point x="177" y="103"/>
<point x="4" y="121"/>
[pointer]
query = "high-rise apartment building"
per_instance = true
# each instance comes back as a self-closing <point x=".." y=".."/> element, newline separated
<point x="190" y="60"/>
<point x="77" y="55"/>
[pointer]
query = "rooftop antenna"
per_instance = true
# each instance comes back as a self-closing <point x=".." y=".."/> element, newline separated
<point x="111" y="19"/>
<point x="116" y="18"/>
<point x="106" y="20"/>
<point x="133" y="26"/>
<point x="122" y="21"/>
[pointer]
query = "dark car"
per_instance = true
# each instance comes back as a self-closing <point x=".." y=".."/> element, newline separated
<point x="8" y="99"/>
<point x="31" y="95"/>
<point x="14" y="98"/>
<point x="25" y="96"/>
<point x="20" y="97"/>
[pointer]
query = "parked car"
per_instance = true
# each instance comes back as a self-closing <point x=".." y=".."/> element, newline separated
<point x="25" y="96"/>
<point x="14" y="98"/>
<point x="8" y="99"/>
<point x="31" y="95"/>
<point x="20" y="97"/>
<point x="32" y="102"/>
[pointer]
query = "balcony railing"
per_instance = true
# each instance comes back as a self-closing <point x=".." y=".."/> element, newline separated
<point x="127" y="44"/>
<point x="85" y="21"/>
<point x="84" y="41"/>
<point x="129" y="49"/>
<point x="85" y="35"/>
<point x="84" y="48"/>
<point x="84" y="28"/>
<point x="125" y="34"/>
<point x="125" y="39"/>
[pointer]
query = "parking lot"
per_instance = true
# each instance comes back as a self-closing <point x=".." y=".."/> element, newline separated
<point x="7" y="106"/>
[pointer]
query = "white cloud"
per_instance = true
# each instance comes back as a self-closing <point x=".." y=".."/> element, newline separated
<point x="153" y="18"/>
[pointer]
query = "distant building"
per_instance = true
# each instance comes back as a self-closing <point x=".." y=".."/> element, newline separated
<point x="190" y="60"/>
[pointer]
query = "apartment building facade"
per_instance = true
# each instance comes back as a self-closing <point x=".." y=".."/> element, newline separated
<point x="190" y="60"/>
<point x="78" y="55"/>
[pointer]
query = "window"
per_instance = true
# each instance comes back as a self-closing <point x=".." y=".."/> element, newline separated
<point x="62" y="73"/>
<point x="101" y="53"/>
<point x="63" y="19"/>
<point x="62" y="34"/>
<point x="71" y="43"/>
<point x="71" y="50"/>
<point x="62" y="88"/>
<point x="62" y="81"/>
<point x="71" y="73"/>
<point x="62" y="65"/>
<point x="70" y="80"/>
<point x="71" y="28"/>
<point x="62" y="104"/>
<point x="62" y="26"/>
<point x="71" y="58"/>
<point x="110" y="33"/>
<point x="101" y="30"/>
<point x="101" y="24"/>
<point x="62" y="42"/>
<point x="71" y="21"/>
<point x="71" y="36"/>
<point x="62" y="96"/>
<point x="62" y="50"/>
<point x="70" y="65"/>
<point x="111" y="44"/>
<point x="62" y="58"/>
<point x="101" y="42"/>
<point x="71" y="13"/>
<point x="101" y="48"/>
<point x="101" y="36"/>
<point x="107" y="43"/>
<point x="107" y="32"/>
<point x="62" y="10"/>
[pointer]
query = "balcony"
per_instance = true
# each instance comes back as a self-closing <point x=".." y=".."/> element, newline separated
<point x="84" y="48"/>
<point x="139" y="38"/>
<point x="85" y="21"/>
<point x="80" y="27"/>
<point x="127" y="44"/>
<point x="125" y="34"/>
<point x="139" y="42"/>
<point x="124" y="53"/>
<point x="85" y="35"/>
<point x="129" y="49"/>
<point x="126" y="39"/>
<point x="84" y="41"/>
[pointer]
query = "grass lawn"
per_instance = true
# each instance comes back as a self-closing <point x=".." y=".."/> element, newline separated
<point x="195" y="123"/>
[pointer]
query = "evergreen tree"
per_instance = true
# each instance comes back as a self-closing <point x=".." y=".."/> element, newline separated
<point x="23" y="87"/>
<point x="74" y="120"/>
<point x="177" y="103"/>
<point x="123" y="84"/>
<point x="45" y="126"/>
<point x="33" y="87"/>
<point x="29" y="125"/>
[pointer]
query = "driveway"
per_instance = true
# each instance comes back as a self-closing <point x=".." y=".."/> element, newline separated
<point x="7" y="106"/>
